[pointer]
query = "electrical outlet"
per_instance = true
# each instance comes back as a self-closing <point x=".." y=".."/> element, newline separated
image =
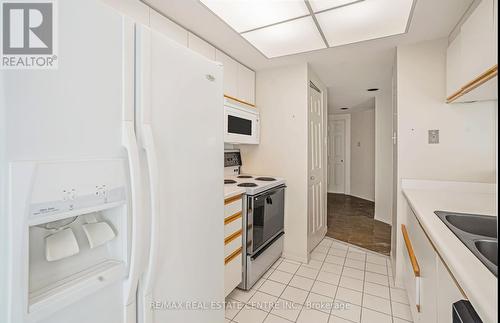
<point x="434" y="136"/>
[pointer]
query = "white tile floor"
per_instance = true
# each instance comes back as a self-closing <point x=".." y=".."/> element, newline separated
<point x="341" y="284"/>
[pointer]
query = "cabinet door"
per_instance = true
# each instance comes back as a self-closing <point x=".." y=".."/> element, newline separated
<point x="168" y="28"/>
<point x="230" y="73"/>
<point x="426" y="257"/>
<point x="454" y="75"/>
<point x="447" y="293"/>
<point x="200" y="46"/>
<point x="246" y="84"/>
<point x="478" y="52"/>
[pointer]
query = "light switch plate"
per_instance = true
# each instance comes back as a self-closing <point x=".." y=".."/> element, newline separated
<point x="434" y="136"/>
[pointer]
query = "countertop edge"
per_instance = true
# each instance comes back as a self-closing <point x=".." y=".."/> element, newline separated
<point x="234" y="192"/>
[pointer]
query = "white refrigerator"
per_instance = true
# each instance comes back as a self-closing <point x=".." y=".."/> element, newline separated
<point x="111" y="194"/>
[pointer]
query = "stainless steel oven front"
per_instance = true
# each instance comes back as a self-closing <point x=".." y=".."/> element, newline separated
<point x="263" y="237"/>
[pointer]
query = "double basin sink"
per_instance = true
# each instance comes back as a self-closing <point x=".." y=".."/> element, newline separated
<point x="478" y="233"/>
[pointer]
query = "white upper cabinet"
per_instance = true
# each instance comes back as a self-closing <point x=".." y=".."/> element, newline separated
<point x="200" y="46"/>
<point x="230" y="73"/>
<point x="477" y="41"/>
<point x="239" y="81"/>
<point x="471" y="57"/>
<point x="246" y="84"/>
<point x="168" y="28"/>
<point x="454" y="76"/>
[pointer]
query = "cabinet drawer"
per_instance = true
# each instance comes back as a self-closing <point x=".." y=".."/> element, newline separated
<point x="232" y="273"/>
<point x="232" y="206"/>
<point x="233" y="245"/>
<point x="233" y="226"/>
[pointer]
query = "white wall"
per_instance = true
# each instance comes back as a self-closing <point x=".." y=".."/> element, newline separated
<point x="383" y="156"/>
<point x="468" y="142"/>
<point x="4" y="241"/>
<point x="363" y="154"/>
<point x="282" y="101"/>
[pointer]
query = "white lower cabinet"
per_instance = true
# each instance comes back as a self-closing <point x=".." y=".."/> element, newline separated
<point x="233" y="246"/>
<point x="431" y="288"/>
<point x="447" y="293"/>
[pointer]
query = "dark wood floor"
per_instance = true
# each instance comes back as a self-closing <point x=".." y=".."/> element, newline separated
<point x="350" y="219"/>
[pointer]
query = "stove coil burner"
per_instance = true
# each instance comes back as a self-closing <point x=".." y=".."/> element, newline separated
<point x="245" y="176"/>
<point x="247" y="185"/>
<point x="265" y="179"/>
<point x="229" y="181"/>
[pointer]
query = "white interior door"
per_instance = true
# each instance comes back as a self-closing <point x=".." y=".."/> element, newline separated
<point x="316" y="205"/>
<point x="338" y="156"/>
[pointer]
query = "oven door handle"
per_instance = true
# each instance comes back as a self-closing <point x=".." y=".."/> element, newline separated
<point x="270" y="192"/>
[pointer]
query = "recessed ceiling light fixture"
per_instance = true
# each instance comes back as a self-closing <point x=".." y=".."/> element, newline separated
<point x="373" y="89"/>
<point x="285" y="27"/>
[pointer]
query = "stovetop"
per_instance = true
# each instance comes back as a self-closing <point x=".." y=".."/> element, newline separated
<point x="253" y="184"/>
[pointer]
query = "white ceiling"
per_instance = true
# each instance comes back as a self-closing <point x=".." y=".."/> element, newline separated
<point x="346" y="70"/>
<point x="286" y="27"/>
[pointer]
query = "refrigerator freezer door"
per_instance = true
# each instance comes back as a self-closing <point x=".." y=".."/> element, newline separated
<point x="182" y="127"/>
<point x="75" y="112"/>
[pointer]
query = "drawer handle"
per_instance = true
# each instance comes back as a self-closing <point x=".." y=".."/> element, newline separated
<point x="232" y="199"/>
<point x="233" y="255"/>
<point x="232" y="218"/>
<point x="413" y="259"/>
<point x="232" y="237"/>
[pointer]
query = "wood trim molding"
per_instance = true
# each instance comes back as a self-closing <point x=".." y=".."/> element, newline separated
<point x="409" y="247"/>
<point x="238" y="100"/>
<point x="233" y="236"/>
<point x="232" y="199"/>
<point x="233" y="255"/>
<point x="475" y="83"/>
<point x="232" y="218"/>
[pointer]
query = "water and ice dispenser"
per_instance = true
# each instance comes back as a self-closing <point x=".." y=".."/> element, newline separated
<point x="70" y="232"/>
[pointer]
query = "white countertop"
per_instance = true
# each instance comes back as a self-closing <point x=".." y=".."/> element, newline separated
<point x="425" y="197"/>
<point x="232" y="190"/>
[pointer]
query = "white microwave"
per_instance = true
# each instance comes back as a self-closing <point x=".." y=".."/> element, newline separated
<point x="241" y="124"/>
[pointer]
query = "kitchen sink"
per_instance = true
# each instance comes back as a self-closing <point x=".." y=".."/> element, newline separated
<point x="489" y="249"/>
<point x="478" y="233"/>
<point x="475" y="224"/>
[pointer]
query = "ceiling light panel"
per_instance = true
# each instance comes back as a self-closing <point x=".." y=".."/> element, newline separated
<point x="365" y="20"/>
<point x="320" y="5"/>
<point x="292" y="37"/>
<point x="245" y="15"/>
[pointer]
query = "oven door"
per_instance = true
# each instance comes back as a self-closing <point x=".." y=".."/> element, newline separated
<point x="265" y="218"/>
<point x="241" y="126"/>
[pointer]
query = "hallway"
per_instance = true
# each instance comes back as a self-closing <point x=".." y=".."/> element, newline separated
<point x="351" y="219"/>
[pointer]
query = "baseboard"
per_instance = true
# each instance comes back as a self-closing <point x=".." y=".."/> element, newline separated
<point x="382" y="220"/>
<point x="362" y="197"/>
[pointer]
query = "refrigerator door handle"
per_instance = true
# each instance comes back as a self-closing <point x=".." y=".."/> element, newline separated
<point x="149" y="147"/>
<point x="137" y="216"/>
